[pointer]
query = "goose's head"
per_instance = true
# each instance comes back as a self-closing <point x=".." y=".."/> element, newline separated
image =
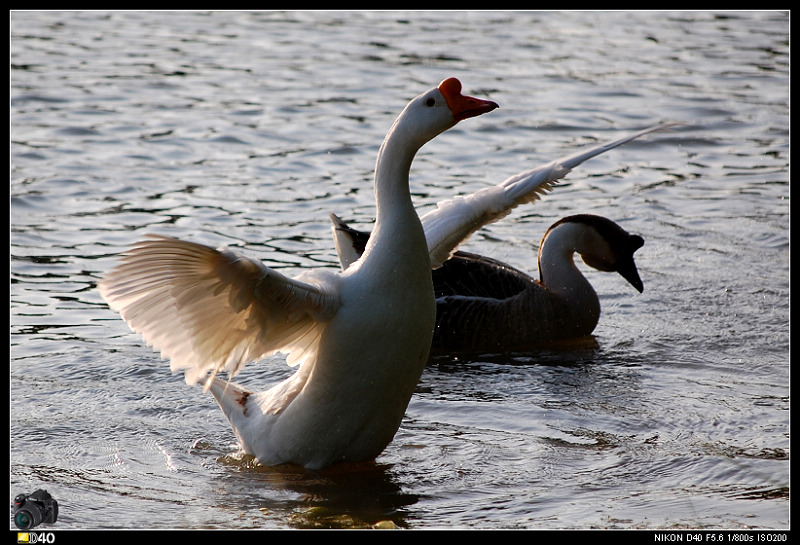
<point x="437" y="110"/>
<point x="602" y="244"/>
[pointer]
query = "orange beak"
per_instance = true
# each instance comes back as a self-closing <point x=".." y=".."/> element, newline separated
<point x="463" y="106"/>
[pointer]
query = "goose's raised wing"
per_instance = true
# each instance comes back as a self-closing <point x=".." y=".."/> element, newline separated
<point x="453" y="221"/>
<point x="210" y="310"/>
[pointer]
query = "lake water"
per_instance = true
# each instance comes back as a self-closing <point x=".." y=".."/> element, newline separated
<point x="247" y="129"/>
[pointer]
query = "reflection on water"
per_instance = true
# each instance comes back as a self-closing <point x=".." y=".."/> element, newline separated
<point x="346" y="496"/>
<point x="247" y="129"/>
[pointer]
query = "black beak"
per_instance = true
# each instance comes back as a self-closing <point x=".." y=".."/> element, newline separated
<point x="626" y="266"/>
<point x="627" y="269"/>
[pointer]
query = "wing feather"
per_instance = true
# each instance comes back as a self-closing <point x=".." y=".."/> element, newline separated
<point x="211" y="310"/>
<point x="453" y="221"/>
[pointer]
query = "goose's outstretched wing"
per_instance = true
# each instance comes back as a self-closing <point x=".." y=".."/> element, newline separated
<point x="210" y="310"/>
<point x="453" y="221"/>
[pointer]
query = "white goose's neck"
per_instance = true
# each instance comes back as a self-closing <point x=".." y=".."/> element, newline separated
<point x="396" y="219"/>
<point x="392" y="169"/>
<point x="557" y="270"/>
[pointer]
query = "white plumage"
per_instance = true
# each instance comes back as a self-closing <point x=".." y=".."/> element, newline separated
<point x="360" y="337"/>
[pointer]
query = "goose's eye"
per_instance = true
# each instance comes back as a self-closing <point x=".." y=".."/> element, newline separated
<point x="430" y="102"/>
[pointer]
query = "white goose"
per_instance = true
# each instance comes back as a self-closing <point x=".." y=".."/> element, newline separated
<point x="485" y="305"/>
<point x="361" y="337"/>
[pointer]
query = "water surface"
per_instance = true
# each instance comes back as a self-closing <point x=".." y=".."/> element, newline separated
<point x="247" y="129"/>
